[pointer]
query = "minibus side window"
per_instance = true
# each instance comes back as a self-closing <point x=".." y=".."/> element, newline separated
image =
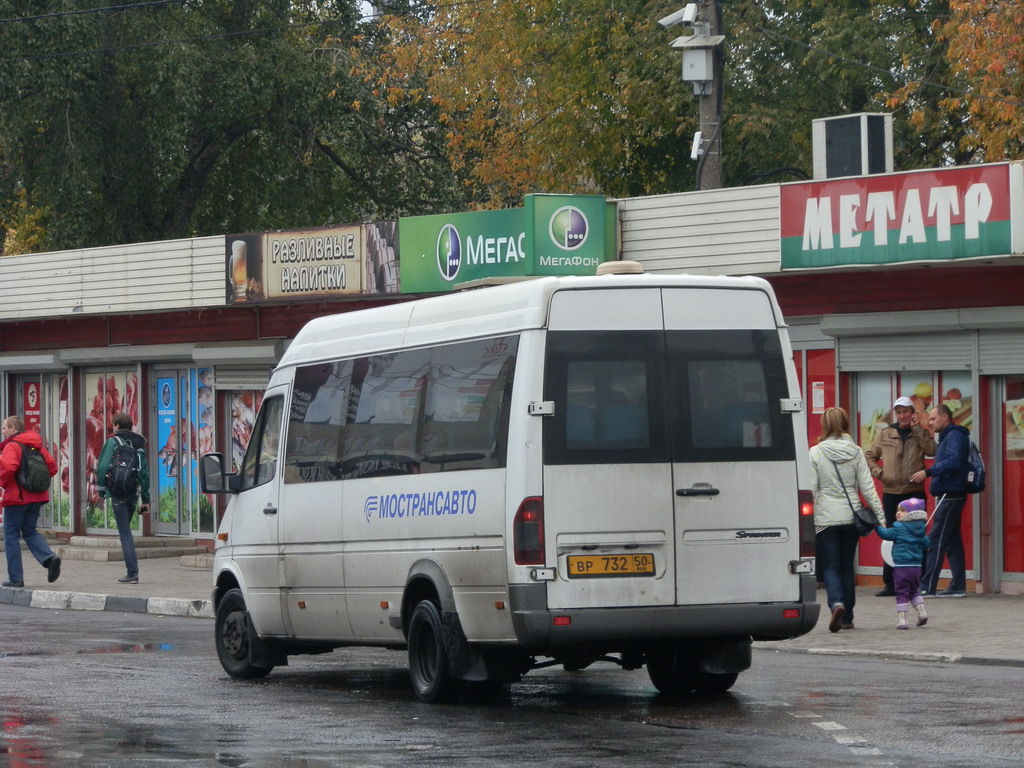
<point x="385" y="409"/>
<point x="465" y="416"/>
<point x="435" y="409"/>
<point x="260" y="462"/>
<point x="321" y="407"/>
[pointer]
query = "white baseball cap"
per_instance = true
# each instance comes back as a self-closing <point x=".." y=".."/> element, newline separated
<point x="905" y="401"/>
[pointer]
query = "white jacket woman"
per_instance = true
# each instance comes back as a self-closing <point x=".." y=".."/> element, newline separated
<point x="837" y="461"/>
<point x="830" y="502"/>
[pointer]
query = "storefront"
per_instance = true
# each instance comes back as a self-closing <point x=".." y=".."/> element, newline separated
<point x="157" y="331"/>
<point x="182" y="335"/>
<point x="899" y="284"/>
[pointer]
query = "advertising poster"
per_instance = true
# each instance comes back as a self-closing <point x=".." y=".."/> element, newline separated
<point x="550" y="235"/>
<point x="106" y="394"/>
<point x="166" y="473"/>
<point x="31" y="406"/>
<point x="244" y="406"/>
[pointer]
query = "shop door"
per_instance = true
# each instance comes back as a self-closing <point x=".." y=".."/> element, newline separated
<point x="184" y="431"/>
<point x="43" y="403"/>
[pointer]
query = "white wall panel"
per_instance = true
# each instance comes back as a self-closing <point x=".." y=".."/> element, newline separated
<point x="732" y="231"/>
<point x="141" y="277"/>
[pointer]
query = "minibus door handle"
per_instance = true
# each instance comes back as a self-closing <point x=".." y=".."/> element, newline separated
<point x="698" y="490"/>
<point x="270" y="509"/>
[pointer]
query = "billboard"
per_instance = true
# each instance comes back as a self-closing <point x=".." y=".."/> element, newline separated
<point x="311" y="263"/>
<point x="549" y="235"/>
<point x="947" y="214"/>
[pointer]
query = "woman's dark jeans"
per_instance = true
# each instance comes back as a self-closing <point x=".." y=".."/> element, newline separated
<point x="836" y="550"/>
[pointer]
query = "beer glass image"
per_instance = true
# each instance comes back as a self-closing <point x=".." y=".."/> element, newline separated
<point x="238" y="270"/>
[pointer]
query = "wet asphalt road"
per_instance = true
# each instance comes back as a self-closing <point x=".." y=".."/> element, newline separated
<point x="108" y="689"/>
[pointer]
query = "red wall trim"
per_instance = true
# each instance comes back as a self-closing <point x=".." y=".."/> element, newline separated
<point x="836" y="292"/>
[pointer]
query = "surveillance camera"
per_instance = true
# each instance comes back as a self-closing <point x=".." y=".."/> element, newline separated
<point x="686" y="16"/>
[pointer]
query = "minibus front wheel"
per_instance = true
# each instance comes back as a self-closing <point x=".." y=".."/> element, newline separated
<point x="234" y="637"/>
<point x="429" y="666"/>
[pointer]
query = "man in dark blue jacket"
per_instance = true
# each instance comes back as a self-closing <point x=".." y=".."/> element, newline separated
<point x="949" y="487"/>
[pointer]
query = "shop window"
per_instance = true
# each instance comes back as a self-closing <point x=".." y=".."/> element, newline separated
<point x="1013" y="475"/>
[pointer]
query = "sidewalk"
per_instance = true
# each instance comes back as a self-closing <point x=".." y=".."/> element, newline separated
<point x="165" y="587"/>
<point x="977" y="629"/>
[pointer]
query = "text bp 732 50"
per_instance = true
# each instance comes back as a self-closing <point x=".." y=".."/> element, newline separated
<point x="596" y="566"/>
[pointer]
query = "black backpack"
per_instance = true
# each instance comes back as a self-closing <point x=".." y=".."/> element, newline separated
<point x="33" y="475"/>
<point x="123" y="475"/>
<point x="975" y="470"/>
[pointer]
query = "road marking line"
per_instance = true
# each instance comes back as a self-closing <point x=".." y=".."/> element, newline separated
<point x="828" y="725"/>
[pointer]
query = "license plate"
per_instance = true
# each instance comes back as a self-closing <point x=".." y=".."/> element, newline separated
<point x="596" y="566"/>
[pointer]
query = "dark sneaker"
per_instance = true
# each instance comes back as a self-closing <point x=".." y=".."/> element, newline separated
<point x="13" y="584"/>
<point x="53" y="569"/>
<point x="927" y="594"/>
<point x="885" y="593"/>
<point x="128" y="580"/>
<point x="837" y="618"/>
<point x="952" y="593"/>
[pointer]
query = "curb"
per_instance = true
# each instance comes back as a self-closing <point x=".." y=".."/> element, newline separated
<point x="932" y="658"/>
<point x="80" y="601"/>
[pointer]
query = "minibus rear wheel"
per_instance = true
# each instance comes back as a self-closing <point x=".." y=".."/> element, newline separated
<point x="672" y="670"/>
<point x="428" y="656"/>
<point x="231" y="635"/>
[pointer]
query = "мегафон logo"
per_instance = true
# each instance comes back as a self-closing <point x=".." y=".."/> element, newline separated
<point x="568" y="228"/>
<point x="449" y="252"/>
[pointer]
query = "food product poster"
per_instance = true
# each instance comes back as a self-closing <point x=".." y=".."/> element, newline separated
<point x="203" y="417"/>
<point x="957" y="394"/>
<point x="63" y="453"/>
<point x="106" y="394"/>
<point x="1015" y="426"/>
<point x="874" y="398"/>
<point x="244" y="405"/>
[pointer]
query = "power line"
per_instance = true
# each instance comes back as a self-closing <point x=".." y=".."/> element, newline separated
<point x="84" y="11"/>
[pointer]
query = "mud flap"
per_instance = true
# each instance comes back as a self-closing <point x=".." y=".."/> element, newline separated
<point x="725" y="657"/>
<point x="262" y="653"/>
<point x="466" y="662"/>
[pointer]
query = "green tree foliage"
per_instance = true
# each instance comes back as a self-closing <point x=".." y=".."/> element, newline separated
<point x="157" y="121"/>
<point x="585" y="96"/>
<point x="548" y="95"/>
<point x="791" y="61"/>
<point x="985" y="51"/>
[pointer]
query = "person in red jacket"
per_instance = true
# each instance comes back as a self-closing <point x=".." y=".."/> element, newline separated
<point x="21" y="507"/>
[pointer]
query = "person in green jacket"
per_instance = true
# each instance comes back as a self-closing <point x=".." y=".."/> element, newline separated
<point x="123" y="483"/>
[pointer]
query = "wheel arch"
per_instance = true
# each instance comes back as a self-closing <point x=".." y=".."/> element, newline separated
<point x="426" y="581"/>
<point x="227" y="579"/>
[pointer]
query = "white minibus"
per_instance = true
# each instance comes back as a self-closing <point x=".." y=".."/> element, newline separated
<point x="554" y="471"/>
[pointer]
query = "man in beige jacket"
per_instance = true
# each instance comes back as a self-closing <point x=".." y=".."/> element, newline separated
<point x="897" y="454"/>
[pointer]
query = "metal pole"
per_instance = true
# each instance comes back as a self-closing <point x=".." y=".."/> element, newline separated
<point x="709" y="169"/>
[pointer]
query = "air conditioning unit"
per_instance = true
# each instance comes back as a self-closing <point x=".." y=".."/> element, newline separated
<point x="852" y="145"/>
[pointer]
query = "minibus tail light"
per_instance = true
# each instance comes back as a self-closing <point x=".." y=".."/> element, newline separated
<point x="806" y="501"/>
<point x="528" y="532"/>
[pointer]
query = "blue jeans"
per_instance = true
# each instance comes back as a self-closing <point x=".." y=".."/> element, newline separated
<point x="124" y="507"/>
<point x="835" y="550"/>
<point x="944" y="540"/>
<point x="20" y="523"/>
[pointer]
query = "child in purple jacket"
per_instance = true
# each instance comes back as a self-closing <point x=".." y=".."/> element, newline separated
<point x="909" y="542"/>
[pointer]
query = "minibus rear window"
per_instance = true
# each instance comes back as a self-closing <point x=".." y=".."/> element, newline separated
<point x="656" y="396"/>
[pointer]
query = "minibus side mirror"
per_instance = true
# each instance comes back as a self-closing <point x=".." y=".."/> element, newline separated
<point x="211" y="475"/>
